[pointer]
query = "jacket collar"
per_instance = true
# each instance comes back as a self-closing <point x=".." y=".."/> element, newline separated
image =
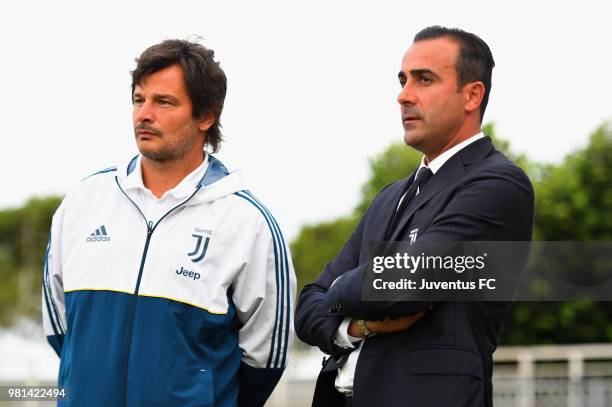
<point x="452" y="170"/>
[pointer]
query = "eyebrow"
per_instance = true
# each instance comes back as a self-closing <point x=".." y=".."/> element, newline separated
<point x="418" y="72"/>
<point x="163" y="95"/>
<point x="157" y="96"/>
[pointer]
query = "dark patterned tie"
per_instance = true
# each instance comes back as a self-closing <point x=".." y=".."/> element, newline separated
<point x="422" y="176"/>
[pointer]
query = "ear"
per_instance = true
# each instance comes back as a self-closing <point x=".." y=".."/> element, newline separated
<point x="473" y="93"/>
<point x="205" y="122"/>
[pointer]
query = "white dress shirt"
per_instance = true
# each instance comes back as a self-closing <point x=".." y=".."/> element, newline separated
<point x="152" y="207"/>
<point x="346" y="373"/>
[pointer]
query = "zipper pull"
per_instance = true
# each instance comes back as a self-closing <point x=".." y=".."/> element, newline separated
<point x="150" y="227"/>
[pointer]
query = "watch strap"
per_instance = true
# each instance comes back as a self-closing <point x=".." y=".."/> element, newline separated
<point x="364" y="329"/>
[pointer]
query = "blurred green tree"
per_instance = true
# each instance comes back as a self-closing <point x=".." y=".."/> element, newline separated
<point x="573" y="202"/>
<point x="23" y="237"/>
<point x="318" y="244"/>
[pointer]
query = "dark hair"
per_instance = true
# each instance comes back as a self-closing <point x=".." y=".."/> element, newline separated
<point x="205" y="80"/>
<point x="475" y="61"/>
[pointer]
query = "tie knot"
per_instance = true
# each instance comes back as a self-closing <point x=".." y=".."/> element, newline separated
<point x="423" y="175"/>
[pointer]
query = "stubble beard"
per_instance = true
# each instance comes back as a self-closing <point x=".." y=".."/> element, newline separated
<point x="165" y="153"/>
<point x="162" y="155"/>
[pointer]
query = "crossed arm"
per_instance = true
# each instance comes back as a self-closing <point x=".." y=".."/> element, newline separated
<point x="318" y="317"/>
<point x="487" y="208"/>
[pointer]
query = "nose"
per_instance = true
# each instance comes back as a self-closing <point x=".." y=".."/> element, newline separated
<point x="143" y="112"/>
<point x="407" y="94"/>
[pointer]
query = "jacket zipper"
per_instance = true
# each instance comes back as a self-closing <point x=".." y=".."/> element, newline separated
<point x="150" y="229"/>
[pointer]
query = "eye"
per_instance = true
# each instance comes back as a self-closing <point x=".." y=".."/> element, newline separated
<point x="164" y="102"/>
<point x="402" y="82"/>
<point x="137" y="101"/>
<point x="425" y="80"/>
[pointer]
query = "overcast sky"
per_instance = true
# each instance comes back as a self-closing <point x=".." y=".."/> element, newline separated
<point x="311" y="86"/>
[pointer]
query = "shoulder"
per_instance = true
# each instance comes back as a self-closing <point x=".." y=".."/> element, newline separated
<point x="98" y="179"/>
<point x="108" y="170"/>
<point x="388" y="195"/>
<point x="250" y="205"/>
<point x="97" y="183"/>
<point x="391" y="189"/>
<point x="252" y="211"/>
<point x="500" y="170"/>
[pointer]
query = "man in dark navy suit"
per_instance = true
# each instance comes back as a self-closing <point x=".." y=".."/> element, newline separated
<point x="423" y="353"/>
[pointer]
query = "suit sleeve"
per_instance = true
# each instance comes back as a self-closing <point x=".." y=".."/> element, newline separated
<point x="495" y="205"/>
<point x="264" y="294"/>
<point x="53" y="306"/>
<point x="316" y="321"/>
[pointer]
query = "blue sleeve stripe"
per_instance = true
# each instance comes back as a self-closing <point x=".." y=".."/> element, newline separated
<point x="273" y="359"/>
<point x="46" y="290"/>
<point x="50" y="302"/>
<point x="281" y="271"/>
<point x="53" y="326"/>
<point x="278" y="274"/>
<point x="56" y="312"/>
<point x="51" y="308"/>
<point x="285" y="293"/>
<point x="285" y="290"/>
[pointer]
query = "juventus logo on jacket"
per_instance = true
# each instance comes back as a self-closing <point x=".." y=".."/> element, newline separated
<point x="200" y="249"/>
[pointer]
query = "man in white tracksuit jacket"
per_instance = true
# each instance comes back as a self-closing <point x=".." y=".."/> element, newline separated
<point x="166" y="281"/>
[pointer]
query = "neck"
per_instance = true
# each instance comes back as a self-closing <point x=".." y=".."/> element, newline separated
<point x="459" y="137"/>
<point x="161" y="176"/>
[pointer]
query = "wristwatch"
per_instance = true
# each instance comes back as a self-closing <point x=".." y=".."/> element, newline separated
<point x="364" y="329"/>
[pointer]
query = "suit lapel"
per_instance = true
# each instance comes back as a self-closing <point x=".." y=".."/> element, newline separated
<point x="392" y="206"/>
<point x="448" y="174"/>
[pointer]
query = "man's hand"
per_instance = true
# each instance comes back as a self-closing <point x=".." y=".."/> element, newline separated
<point x="385" y="326"/>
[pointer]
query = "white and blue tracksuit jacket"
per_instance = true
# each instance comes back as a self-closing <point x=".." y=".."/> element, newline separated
<point x="191" y="309"/>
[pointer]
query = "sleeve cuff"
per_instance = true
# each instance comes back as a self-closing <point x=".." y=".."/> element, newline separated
<point x="342" y="338"/>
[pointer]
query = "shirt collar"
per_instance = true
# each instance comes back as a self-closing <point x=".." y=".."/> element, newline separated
<point x="440" y="160"/>
<point x="181" y="190"/>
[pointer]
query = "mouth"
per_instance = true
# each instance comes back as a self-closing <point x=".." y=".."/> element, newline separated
<point x="147" y="133"/>
<point x="410" y="120"/>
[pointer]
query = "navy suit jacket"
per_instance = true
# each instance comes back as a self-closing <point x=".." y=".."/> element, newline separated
<point x="445" y="359"/>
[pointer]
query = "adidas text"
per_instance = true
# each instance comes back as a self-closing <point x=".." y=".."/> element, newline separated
<point x="99" y="235"/>
<point x="98" y="239"/>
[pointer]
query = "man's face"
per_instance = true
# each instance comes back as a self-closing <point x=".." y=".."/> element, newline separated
<point x="432" y="108"/>
<point x="163" y="124"/>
